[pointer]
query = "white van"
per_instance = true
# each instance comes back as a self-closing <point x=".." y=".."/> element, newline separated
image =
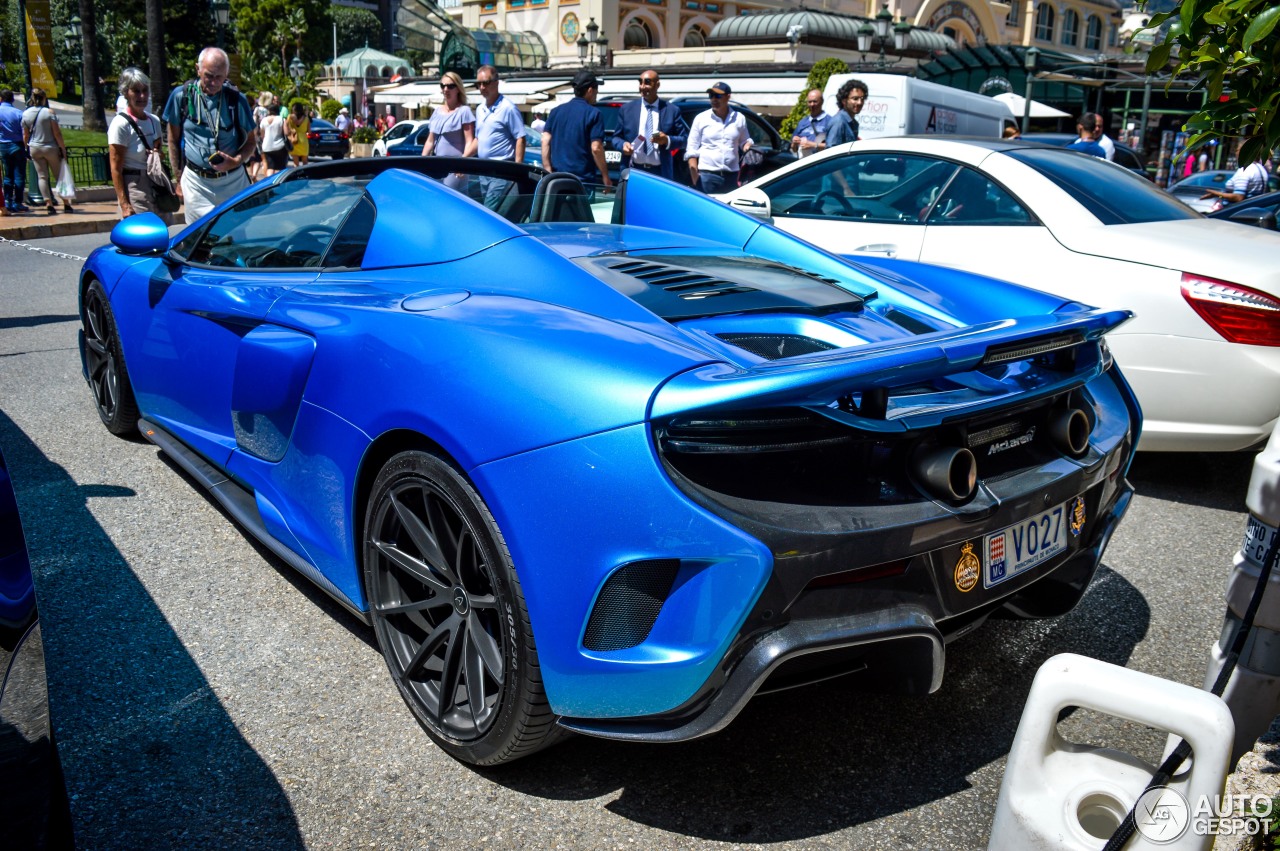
<point x="899" y="106"/>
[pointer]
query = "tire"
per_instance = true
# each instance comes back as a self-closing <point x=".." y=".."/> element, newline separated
<point x="447" y="607"/>
<point x="104" y="363"/>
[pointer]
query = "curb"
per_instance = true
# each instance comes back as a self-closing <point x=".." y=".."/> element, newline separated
<point x="88" y="226"/>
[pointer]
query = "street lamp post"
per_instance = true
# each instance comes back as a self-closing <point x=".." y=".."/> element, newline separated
<point x="879" y="34"/>
<point x="221" y="10"/>
<point x="296" y="71"/>
<point x="1029" y="62"/>
<point x="592" y="50"/>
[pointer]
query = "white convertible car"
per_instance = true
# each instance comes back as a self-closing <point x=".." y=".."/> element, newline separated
<point x="1203" y="353"/>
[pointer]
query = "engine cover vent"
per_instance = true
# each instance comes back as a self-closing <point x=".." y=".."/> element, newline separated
<point x="777" y="346"/>
<point x="629" y="604"/>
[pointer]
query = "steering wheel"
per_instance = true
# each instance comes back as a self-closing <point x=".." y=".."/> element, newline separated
<point x="309" y="238"/>
<point x="846" y="209"/>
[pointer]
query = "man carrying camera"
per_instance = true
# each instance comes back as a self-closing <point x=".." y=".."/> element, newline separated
<point x="210" y="126"/>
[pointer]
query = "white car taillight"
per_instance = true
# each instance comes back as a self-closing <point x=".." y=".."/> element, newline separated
<point x="1239" y="314"/>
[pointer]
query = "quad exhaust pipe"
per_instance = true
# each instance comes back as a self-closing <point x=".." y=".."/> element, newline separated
<point x="947" y="472"/>
<point x="1069" y="431"/>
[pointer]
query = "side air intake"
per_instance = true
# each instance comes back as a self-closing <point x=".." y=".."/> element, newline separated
<point x="777" y="346"/>
<point x="629" y="603"/>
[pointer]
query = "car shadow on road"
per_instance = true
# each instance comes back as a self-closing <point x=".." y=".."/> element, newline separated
<point x="130" y="707"/>
<point x="825" y="757"/>
<point x="1207" y="479"/>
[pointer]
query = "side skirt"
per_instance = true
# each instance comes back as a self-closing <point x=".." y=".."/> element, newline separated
<point x="243" y="508"/>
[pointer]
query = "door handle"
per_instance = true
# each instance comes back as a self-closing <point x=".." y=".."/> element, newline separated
<point x="888" y="249"/>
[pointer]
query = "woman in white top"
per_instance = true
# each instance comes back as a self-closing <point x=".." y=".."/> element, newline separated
<point x="275" y="148"/>
<point x="453" y="126"/>
<point x="43" y="136"/>
<point x="134" y="192"/>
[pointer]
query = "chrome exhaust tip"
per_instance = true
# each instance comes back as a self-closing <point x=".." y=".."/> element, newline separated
<point x="947" y="472"/>
<point x="1069" y="430"/>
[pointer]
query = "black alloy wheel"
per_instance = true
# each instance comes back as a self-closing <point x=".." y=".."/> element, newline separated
<point x="449" y="615"/>
<point x="104" y="363"/>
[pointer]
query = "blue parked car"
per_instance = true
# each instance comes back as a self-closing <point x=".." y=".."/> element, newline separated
<point x="611" y="465"/>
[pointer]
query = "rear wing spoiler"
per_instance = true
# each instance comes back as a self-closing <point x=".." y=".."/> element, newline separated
<point x="877" y="369"/>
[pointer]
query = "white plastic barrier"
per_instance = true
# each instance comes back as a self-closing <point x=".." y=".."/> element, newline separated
<point x="1060" y="795"/>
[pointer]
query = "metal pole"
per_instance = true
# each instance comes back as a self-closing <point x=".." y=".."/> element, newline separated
<point x="1146" y="107"/>
<point x="1026" y="103"/>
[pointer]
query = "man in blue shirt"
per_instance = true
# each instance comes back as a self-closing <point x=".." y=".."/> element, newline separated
<point x="811" y="133"/>
<point x="573" y="139"/>
<point x="850" y="99"/>
<point x="13" y="154"/>
<point x="211" y="125"/>
<point x="649" y="130"/>
<point x="1089" y="128"/>
<point x="499" y="133"/>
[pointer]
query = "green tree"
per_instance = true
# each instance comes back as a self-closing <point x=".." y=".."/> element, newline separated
<point x="329" y="109"/>
<point x="818" y="76"/>
<point x="1233" y="48"/>
<point x="356" y="28"/>
<point x="308" y="23"/>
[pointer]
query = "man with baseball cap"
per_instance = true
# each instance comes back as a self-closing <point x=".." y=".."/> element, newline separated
<point x="577" y="131"/>
<point x="716" y="139"/>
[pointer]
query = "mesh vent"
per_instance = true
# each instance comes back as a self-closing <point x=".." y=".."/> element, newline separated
<point x="776" y="346"/>
<point x="684" y="283"/>
<point x="629" y="604"/>
<point x="907" y="321"/>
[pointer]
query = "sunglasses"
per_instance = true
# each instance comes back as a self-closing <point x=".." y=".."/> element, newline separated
<point x="484" y="82"/>
<point x="140" y="91"/>
<point x="444" y="87"/>
<point x="646" y="81"/>
<point x="714" y="96"/>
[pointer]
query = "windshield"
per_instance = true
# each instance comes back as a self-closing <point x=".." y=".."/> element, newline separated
<point x="1113" y="194"/>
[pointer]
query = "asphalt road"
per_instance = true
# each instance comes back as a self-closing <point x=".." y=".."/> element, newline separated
<point x="204" y="695"/>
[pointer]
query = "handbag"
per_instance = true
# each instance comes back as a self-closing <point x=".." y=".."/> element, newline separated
<point x="162" y="193"/>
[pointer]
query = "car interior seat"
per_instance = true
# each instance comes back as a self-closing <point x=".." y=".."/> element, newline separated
<point x="561" y="197"/>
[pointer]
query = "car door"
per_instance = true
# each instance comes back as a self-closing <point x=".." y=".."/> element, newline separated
<point x="860" y="203"/>
<point x="979" y="226"/>
<point x="203" y="332"/>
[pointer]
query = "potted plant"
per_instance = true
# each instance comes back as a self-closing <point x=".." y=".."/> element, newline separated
<point x="362" y="141"/>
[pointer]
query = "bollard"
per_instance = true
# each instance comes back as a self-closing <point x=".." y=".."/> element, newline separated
<point x="1253" y="692"/>
<point x="1061" y="796"/>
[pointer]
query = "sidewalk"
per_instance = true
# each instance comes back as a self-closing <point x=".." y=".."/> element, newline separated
<point x="95" y="212"/>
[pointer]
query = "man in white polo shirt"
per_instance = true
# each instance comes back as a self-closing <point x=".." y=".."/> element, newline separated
<point x="717" y="138"/>
<point x="499" y="133"/>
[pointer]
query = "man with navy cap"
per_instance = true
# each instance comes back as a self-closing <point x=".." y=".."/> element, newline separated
<point x="717" y="138"/>
<point x="573" y="139"/>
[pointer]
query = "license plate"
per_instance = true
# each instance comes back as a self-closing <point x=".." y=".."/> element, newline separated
<point x="1258" y="538"/>
<point x="1034" y="541"/>
<point x="613" y="156"/>
<point x="328" y="137"/>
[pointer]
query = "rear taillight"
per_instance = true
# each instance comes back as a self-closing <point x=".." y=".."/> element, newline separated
<point x="313" y="135"/>
<point x="1239" y="314"/>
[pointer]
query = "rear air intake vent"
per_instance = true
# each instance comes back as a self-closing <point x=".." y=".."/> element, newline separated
<point x="776" y="346"/>
<point x="683" y="283"/>
<point x="907" y="321"/>
<point x="629" y="604"/>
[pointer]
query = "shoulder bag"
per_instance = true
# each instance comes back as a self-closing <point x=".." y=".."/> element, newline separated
<point x="167" y="201"/>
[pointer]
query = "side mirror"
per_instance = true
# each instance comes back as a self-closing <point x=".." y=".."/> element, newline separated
<point x="145" y="233"/>
<point x="1259" y="217"/>
<point x="753" y="202"/>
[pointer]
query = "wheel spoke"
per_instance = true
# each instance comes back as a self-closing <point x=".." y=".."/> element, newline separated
<point x="486" y="646"/>
<point x="484" y="601"/>
<point x="473" y="669"/>
<point x="452" y="672"/>
<point x="422" y="537"/>
<point x="95" y="346"/>
<point x="417" y="569"/>
<point x="431" y="644"/>
<point x="417" y="606"/>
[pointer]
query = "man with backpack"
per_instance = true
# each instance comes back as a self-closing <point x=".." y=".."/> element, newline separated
<point x="210" y="136"/>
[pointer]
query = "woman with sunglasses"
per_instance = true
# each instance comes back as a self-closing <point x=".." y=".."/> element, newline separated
<point x="452" y="127"/>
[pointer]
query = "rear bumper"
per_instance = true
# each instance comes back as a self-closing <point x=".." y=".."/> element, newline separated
<point x="901" y="646"/>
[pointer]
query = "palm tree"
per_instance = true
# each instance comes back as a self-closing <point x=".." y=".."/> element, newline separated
<point x="93" y="117"/>
<point x="157" y="61"/>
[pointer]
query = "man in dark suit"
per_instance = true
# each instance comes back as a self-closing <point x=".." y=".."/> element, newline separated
<point x="649" y="130"/>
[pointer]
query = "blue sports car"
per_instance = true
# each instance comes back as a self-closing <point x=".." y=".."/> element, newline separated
<point x="611" y="464"/>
